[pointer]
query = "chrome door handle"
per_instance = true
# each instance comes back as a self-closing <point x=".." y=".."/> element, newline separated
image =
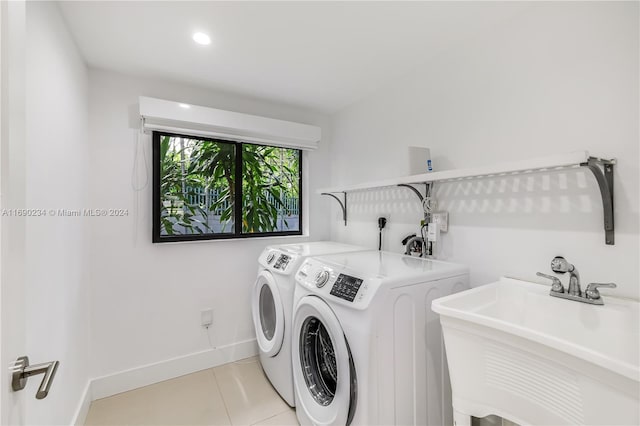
<point x="22" y="371"/>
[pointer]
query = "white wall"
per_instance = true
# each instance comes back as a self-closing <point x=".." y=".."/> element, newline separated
<point x="12" y="192"/>
<point x="562" y="77"/>
<point x="146" y="298"/>
<point x="57" y="286"/>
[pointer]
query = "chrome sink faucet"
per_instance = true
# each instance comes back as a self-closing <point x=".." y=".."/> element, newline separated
<point x="560" y="265"/>
<point x="591" y="295"/>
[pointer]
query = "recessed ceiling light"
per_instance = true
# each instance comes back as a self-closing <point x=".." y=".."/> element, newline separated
<point x="185" y="106"/>
<point x="201" y="38"/>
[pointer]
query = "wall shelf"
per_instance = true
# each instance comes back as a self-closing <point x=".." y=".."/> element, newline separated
<point x="601" y="168"/>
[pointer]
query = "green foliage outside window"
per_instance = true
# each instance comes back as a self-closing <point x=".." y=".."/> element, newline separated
<point x="198" y="191"/>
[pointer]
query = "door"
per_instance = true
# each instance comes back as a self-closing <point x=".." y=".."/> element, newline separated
<point x="323" y="369"/>
<point x="268" y="314"/>
<point x="12" y="195"/>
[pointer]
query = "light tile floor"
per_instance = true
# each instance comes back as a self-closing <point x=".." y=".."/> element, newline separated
<point x="232" y="394"/>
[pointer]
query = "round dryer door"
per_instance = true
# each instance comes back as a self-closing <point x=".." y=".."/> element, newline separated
<point x="268" y="314"/>
<point x="323" y="370"/>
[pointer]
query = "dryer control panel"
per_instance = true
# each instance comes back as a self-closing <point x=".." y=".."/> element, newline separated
<point x="278" y="261"/>
<point x="282" y="262"/>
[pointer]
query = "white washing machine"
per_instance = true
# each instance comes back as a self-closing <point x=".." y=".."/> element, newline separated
<point x="272" y="308"/>
<point x="367" y="348"/>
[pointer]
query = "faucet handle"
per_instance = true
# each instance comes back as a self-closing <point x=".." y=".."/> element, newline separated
<point x="556" y="284"/>
<point x="592" y="290"/>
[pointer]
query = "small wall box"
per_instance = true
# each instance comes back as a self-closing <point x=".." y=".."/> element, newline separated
<point x="419" y="160"/>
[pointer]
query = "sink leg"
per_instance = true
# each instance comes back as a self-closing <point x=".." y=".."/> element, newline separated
<point x="461" y="419"/>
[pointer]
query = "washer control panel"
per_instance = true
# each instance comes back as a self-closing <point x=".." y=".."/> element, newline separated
<point x="346" y="287"/>
<point x="321" y="278"/>
<point x="339" y="285"/>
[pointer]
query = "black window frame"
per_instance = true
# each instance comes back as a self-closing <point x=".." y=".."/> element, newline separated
<point x="237" y="232"/>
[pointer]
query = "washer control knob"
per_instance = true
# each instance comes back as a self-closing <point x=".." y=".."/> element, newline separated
<point x="270" y="257"/>
<point x="321" y="278"/>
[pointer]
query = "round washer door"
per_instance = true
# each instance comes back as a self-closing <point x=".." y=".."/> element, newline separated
<point x="268" y="314"/>
<point x="323" y="371"/>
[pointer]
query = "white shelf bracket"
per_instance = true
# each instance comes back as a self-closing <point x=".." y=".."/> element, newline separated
<point x="342" y="205"/>
<point x="604" y="177"/>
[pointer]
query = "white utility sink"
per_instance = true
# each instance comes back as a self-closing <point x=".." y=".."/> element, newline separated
<point x="516" y="352"/>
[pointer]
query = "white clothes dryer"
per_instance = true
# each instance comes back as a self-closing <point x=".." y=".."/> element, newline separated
<point x="272" y="307"/>
<point x="367" y="348"/>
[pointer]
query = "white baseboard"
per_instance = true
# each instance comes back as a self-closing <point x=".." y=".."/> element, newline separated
<point x="102" y="387"/>
<point x="83" y="406"/>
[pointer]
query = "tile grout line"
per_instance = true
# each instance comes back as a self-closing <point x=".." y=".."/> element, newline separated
<point x="275" y="415"/>
<point x="245" y="363"/>
<point x="224" y="401"/>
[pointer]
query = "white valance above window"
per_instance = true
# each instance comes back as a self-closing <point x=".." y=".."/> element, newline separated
<point x="169" y="116"/>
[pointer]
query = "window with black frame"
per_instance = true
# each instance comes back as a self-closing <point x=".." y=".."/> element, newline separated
<point x="212" y="189"/>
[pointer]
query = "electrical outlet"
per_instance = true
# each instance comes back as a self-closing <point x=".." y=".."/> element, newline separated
<point x="382" y="222"/>
<point x="442" y="219"/>
<point x="206" y="317"/>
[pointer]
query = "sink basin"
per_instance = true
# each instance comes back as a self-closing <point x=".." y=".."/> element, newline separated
<point x="516" y="352"/>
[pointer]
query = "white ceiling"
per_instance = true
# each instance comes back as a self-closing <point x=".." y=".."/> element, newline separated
<point x="320" y="55"/>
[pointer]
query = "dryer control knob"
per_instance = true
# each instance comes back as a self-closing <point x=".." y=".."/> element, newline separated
<point x="270" y="257"/>
<point x="321" y="278"/>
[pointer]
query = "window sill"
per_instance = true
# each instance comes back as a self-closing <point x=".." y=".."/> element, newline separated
<point x="223" y="240"/>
